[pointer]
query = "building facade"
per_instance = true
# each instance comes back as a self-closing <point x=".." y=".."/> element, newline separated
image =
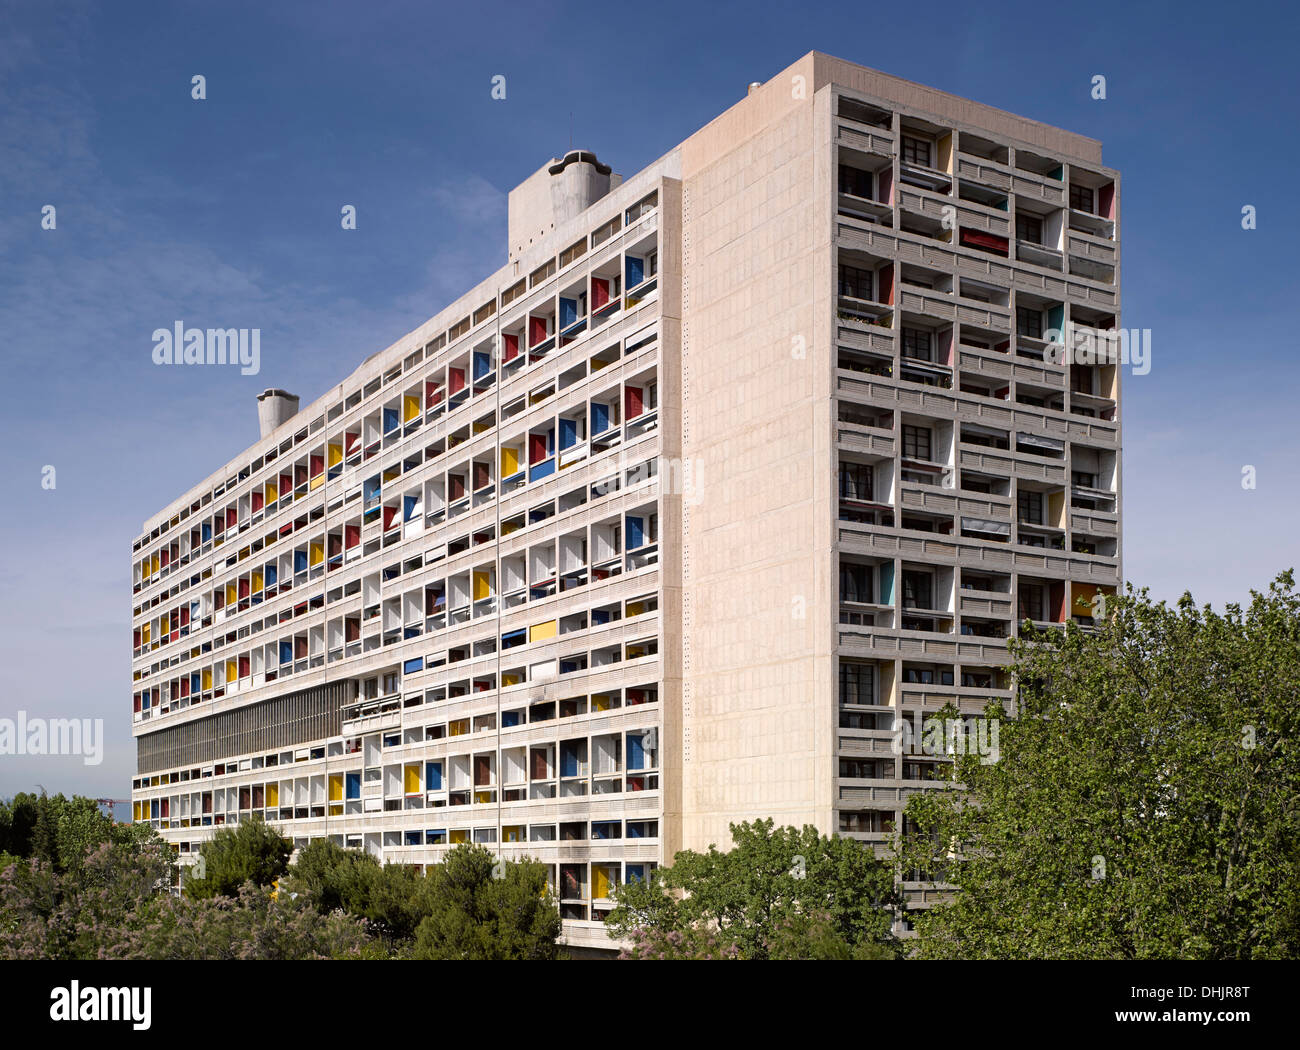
<point x="739" y="464"/>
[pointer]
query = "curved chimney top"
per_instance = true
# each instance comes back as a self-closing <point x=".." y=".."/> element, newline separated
<point x="275" y="407"/>
<point x="579" y="156"/>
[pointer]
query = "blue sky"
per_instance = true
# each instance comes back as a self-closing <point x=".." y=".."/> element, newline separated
<point x="225" y="213"/>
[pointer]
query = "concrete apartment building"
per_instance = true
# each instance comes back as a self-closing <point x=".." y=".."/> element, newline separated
<point x="666" y="523"/>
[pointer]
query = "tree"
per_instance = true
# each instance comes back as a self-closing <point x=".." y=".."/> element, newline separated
<point x="771" y="877"/>
<point x="480" y="908"/>
<point x="251" y="851"/>
<point x="389" y="897"/>
<point x="1144" y="803"/>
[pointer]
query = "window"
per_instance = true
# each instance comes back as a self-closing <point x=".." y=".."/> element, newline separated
<point x="1031" y="601"/>
<point x="855" y="583"/>
<point x="855" y="182"/>
<point x="916" y="343"/>
<point x="916" y="442"/>
<point x="1029" y="228"/>
<point x="652" y="264"/>
<point x="1084" y="479"/>
<point x="916" y="151"/>
<point x="855" y="283"/>
<point x="1030" y="505"/>
<point x="1081" y="198"/>
<point x="855" y="481"/>
<point x="1029" y="322"/>
<point x="857" y="683"/>
<point x="918" y="590"/>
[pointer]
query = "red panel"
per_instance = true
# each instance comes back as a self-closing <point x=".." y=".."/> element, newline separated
<point x="164" y="557"/>
<point x="536" y="448"/>
<point x="389" y="514"/>
<point x="632" y="401"/>
<point x="219" y="598"/>
<point x="599" y="292"/>
<point x="243" y="588"/>
<point x="351" y="535"/>
<point x="137" y="638"/>
<point x="299" y="648"/>
<point x="351" y="630"/>
<point x="1106" y="201"/>
<point x="456" y="380"/>
<point x="480" y="476"/>
<point x="259" y="501"/>
<point x="511" y="347"/>
<point x="137" y="701"/>
<point x="432" y="394"/>
<point x="1057" y="599"/>
<point x="979" y="239"/>
<point x="886" y="279"/>
<point x="350" y="440"/>
<point x="536" y="330"/>
<point x="232" y="517"/>
<point x="244" y="666"/>
<point x="317" y="465"/>
<point x="455" y="486"/>
<point x="166" y="808"/>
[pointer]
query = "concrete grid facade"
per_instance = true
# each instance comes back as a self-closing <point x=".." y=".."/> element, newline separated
<point x="666" y="523"/>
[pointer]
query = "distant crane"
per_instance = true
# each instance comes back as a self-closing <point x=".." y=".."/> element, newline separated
<point x="111" y="802"/>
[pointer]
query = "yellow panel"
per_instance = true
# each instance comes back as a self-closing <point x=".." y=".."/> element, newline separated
<point x="153" y="564"/>
<point x="412" y="779"/>
<point x="635" y="608"/>
<point x="458" y="835"/>
<point x="207" y="678"/>
<point x="135" y="810"/>
<point x="317" y="481"/>
<point x="412" y="408"/>
<point x="272" y="796"/>
<point x="164" y="628"/>
<point x="458" y="728"/>
<point x="512" y="833"/>
<point x="482" y="588"/>
<point x="479" y="428"/>
<point x="257" y="581"/>
<point x="232" y="670"/>
<point x="600" y="703"/>
<point x="511" y="679"/>
<point x="945" y="153"/>
<point x="336" y="787"/>
<point x="232" y="594"/>
<point x="336" y="811"/>
<point x="335" y="455"/>
<point x="272" y="492"/>
<point x="541" y="631"/>
<point x="599" y="882"/>
<point x="317" y="554"/>
<point x="509" y="462"/>
<point x="597" y="365"/>
<point x="1056" y="509"/>
<point x="510" y="526"/>
<point x="482" y="796"/>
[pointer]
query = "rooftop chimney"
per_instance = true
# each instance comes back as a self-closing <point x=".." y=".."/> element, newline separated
<point x="275" y="407"/>
<point x="754" y="85"/>
<point x="555" y="193"/>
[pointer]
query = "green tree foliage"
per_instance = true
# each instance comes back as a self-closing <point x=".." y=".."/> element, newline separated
<point x="773" y="885"/>
<point x="480" y="908"/>
<point x="57" y="830"/>
<point x="251" y="851"/>
<point x="1146" y="800"/>
<point x="389" y="897"/>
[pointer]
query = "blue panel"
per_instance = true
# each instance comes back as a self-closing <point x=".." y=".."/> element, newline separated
<point x="512" y="638"/>
<point x="635" y="752"/>
<point x="353" y="787"/>
<point x="413" y="665"/>
<point x="568" y="762"/>
<point x="1056" y="317"/>
<point x="599" y="616"/>
<point x="286" y="652"/>
<point x="635" y="873"/>
<point x="482" y="365"/>
<point x="196" y="682"/>
<point x="390" y="420"/>
<point x="433" y="776"/>
<point x="635" y="532"/>
<point x="542" y="470"/>
<point x="568" y="312"/>
<point x="568" y="433"/>
<point x="207" y="531"/>
<point x="509" y="719"/>
<point x="599" y="418"/>
<point x="635" y="271"/>
<point x="408" y="507"/>
<point x="299" y="561"/>
<point x="270" y="575"/>
<point x="887" y="583"/>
